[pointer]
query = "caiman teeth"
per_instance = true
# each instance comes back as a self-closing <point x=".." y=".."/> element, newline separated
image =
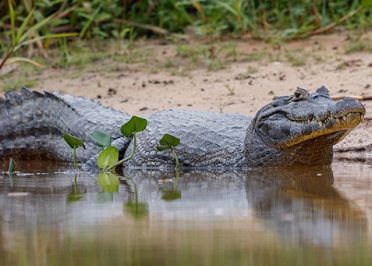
<point x="326" y="120"/>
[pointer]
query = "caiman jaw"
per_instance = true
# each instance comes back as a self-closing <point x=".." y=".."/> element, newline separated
<point x="301" y="129"/>
<point x="341" y="124"/>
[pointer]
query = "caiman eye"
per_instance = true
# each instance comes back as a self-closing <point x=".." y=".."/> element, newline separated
<point x="301" y="94"/>
<point x="323" y="91"/>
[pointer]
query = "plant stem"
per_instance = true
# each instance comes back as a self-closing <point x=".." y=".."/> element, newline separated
<point x="6" y="57"/>
<point x="75" y="184"/>
<point x="176" y="179"/>
<point x="174" y="155"/>
<point x="74" y="158"/>
<point x="134" y="148"/>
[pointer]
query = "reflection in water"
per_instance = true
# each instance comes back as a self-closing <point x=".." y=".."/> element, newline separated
<point x="299" y="205"/>
<point x="155" y="217"/>
<point x="304" y="206"/>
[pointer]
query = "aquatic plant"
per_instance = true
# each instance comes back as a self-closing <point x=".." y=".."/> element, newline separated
<point x="101" y="138"/>
<point x="169" y="142"/>
<point x="75" y="143"/>
<point x="109" y="157"/>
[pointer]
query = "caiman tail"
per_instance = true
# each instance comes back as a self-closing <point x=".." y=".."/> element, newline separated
<point x="32" y="124"/>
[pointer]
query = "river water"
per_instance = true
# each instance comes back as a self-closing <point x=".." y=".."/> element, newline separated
<point x="51" y="216"/>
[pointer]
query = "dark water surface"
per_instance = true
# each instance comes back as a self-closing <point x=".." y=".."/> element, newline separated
<point x="308" y="216"/>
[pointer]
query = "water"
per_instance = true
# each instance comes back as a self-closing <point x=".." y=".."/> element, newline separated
<point x="259" y="217"/>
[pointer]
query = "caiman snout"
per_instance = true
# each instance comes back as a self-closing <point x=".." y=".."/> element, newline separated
<point x="294" y="120"/>
<point x="347" y="106"/>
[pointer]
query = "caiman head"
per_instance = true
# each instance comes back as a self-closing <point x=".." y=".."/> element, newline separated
<point x="301" y="129"/>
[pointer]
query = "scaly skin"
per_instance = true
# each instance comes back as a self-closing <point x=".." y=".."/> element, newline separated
<point x="292" y="130"/>
<point x="32" y="124"/>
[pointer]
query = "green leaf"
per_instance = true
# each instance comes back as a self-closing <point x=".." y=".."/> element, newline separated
<point x="12" y="22"/>
<point x="34" y="28"/>
<point x="48" y="36"/>
<point x="73" y="142"/>
<point x="134" y="125"/>
<point x="101" y="138"/>
<point x="108" y="182"/>
<point x="108" y="157"/>
<point x="169" y="141"/>
<point x="89" y="22"/>
<point x="23" y="59"/>
<point x="24" y="24"/>
<point x="171" y="195"/>
<point x="11" y="168"/>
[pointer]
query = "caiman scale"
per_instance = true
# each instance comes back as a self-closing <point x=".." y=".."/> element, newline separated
<point x="300" y="129"/>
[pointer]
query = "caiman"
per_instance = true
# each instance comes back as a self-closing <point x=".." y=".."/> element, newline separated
<point x="300" y="129"/>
